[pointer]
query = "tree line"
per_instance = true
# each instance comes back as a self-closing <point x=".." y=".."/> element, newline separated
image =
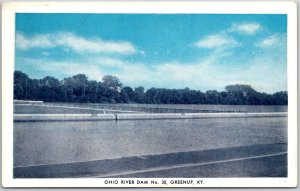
<point x="78" y="89"/>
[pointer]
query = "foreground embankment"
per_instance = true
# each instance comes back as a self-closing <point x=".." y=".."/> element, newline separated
<point x="245" y="161"/>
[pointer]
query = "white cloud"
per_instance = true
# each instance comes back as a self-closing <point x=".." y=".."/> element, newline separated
<point x="80" y="44"/>
<point x="38" y="41"/>
<point x="107" y="62"/>
<point x="66" y="69"/>
<point x="216" y="41"/>
<point x="245" y="28"/>
<point x="74" y="42"/>
<point x="269" y="41"/>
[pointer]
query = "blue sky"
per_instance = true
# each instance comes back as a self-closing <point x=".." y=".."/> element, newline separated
<point x="199" y="51"/>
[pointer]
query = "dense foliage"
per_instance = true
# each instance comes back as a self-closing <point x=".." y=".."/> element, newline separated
<point x="81" y="90"/>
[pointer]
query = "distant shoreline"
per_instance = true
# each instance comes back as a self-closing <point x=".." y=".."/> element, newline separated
<point x="78" y="89"/>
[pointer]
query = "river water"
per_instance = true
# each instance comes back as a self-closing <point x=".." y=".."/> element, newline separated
<point x="63" y="142"/>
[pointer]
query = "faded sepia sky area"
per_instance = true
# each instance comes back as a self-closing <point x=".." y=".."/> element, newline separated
<point x="199" y="51"/>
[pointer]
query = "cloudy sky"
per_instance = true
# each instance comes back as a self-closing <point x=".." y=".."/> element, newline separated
<point x="199" y="51"/>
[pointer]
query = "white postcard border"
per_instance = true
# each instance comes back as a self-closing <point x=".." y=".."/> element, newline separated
<point x="8" y="45"/>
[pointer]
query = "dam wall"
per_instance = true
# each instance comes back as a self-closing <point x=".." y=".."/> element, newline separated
<point x="137" y="116"/>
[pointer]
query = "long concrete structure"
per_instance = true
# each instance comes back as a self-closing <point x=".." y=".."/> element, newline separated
<point x="138" y="116"/>
<point x="63" y="117"/>
<point x="195" y="115"/>
<point x="27" y="102"/>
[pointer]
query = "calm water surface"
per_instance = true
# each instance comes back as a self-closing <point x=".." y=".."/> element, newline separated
<point x="62" y="142"/>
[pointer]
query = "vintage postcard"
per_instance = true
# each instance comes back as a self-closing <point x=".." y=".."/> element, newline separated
<point x="149" y="94"/>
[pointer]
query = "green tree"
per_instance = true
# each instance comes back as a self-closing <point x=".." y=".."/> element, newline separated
<point x="50" y="89"/>
<point x="238" y="94"/>
<point x="79" y="89"/>
<point x="111" y="82"/>
<point x="213" y="97"/>
<point x="139" y="93"/>
<point x="130" y="93"/>
<point x="280" y="98"/>
<point x="22" y="84"/>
